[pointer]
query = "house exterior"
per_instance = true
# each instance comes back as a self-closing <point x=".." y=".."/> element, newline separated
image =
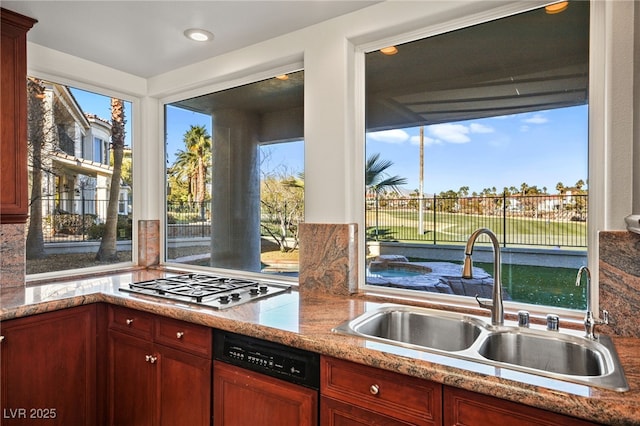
<point x="75" y="159"/>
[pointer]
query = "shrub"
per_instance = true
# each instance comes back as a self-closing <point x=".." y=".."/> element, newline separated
<point x="71" y="224"/>
<point x="124" y="232"/>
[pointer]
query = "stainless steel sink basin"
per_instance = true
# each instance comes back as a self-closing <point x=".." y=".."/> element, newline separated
<point x="552" y="354"/>
<point x="416" y="327"/>
<point x="557" y="355"/>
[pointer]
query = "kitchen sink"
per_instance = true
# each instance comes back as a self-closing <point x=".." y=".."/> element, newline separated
<point x="558" y="355"/>
<point x="416" y="327"/>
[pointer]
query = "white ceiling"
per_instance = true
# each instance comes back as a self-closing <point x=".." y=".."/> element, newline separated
<point x="145" y="38"/>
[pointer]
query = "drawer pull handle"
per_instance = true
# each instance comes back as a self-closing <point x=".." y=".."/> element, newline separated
<point x="179" y="334"/>
<point x="152" y="359"/>
<point x="374" y="389"/>
<point x="129" y="321"/>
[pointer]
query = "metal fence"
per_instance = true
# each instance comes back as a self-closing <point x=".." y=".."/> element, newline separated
<point x="531" y="220"/>
<point x="189" y="219"/>
<point x="78" y="219"/>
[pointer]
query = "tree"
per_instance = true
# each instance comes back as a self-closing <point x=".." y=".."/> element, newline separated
<point x="192" y="164"/>
<point x="36" y="138"/>
<point x="108" y="251"/>
<point x="282" y="200"/>
<point x="377" y="181"/>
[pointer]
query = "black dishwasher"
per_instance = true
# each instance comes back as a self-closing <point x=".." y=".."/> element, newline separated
<point x="258" y="382"/>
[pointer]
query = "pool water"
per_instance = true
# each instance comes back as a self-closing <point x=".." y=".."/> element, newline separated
<point x="394" y="273"/>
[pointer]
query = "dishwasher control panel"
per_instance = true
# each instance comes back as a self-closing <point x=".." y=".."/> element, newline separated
<point x="276" y="360"/>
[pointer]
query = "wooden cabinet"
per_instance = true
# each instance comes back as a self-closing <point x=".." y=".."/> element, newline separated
<point x="354" y="394"/>
<point x="13" y="112"/>
<point x="244" y="397"/>
<point x="48" y="366"/>
<point x="462" y="407"/>
<point x="159" y="370"/>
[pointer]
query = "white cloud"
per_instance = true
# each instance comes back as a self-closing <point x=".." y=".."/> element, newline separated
<point x="395" y="136"/>
<point x="480" y="128"/>
<point x="503" y="117"/>
<point x="524" y="128"/>
<point x="536" y="119"/>
<point x="452" y="133"/>
<point x="415" y="140"/>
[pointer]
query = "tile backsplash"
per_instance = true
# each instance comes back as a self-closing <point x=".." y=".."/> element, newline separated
<point x="12" y="255"/>
<point x="148" y="242"/>
<point x="328" y="258"/>
<point x="619" y="258"/>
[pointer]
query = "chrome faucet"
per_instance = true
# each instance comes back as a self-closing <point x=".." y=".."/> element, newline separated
<point x="589" y="320"/>
<point x="496" y="306"/>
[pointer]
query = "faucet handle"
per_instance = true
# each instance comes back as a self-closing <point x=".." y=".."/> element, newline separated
<point x="523" y="319"/>
<point x="485" y="305"/>
<point x="553" y="322"/>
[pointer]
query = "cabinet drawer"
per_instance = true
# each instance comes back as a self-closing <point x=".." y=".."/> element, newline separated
<point x="462" y="407"/>
<point x="184" y="336"/>
<point x="131" y="321"/>
<point x="402" y="397"/>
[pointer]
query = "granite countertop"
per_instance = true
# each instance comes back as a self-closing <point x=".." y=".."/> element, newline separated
<point x="307" y="322"/>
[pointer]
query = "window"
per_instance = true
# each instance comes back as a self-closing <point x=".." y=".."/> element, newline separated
<point x="234" y="176"/>
<point x="98" y="145"/>
<point x="486" y="126"/>
<point x="71" y="171"/>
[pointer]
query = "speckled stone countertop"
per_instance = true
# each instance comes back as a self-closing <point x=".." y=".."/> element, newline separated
<point x="307" y="322"/>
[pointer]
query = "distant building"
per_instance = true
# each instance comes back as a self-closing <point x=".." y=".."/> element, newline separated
<point x="76" y="158"/>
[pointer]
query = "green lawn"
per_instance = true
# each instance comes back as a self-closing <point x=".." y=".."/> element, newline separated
<point x="402" y="225"/>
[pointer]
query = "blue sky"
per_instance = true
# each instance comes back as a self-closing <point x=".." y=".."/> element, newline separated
<point x="540" y="148"/>
<point x="100" y="105"/>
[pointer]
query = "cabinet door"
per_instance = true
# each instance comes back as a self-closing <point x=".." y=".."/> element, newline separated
<point x="336" y="413"/>
<point x="466" y="408"/>
<point x="48" y="365"/>
<point x="184" y="388"/>
<point x="243" y="397"/>
<point x="13" y="110"/>
<point x="410" y="399"/>
<point x="131" y="380"/>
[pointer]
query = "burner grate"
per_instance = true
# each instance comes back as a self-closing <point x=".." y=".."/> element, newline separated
<point x="211" y="290"/>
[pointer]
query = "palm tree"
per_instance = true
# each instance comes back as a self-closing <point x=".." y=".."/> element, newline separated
<point x="192" y="164"/>
<point x="198" y="155"/>
<point x="377" y="181"/>
<point x="108" y="251"/>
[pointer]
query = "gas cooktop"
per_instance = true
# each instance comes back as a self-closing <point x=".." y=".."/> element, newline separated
<point x="213" y="291"/>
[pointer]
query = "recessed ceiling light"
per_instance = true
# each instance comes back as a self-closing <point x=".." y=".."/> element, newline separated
<point x="391" y="50"/>
<point x="197" y="34"/>
<point x="556" y="7"/>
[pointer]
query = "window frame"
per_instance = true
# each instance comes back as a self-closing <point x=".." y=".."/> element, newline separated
<point x="201" y="90"/>
<point x="135" y="119"/>
<point x="596" y="148"/>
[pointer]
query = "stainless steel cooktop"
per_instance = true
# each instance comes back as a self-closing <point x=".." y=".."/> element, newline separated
<point x="209" y="290"/>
